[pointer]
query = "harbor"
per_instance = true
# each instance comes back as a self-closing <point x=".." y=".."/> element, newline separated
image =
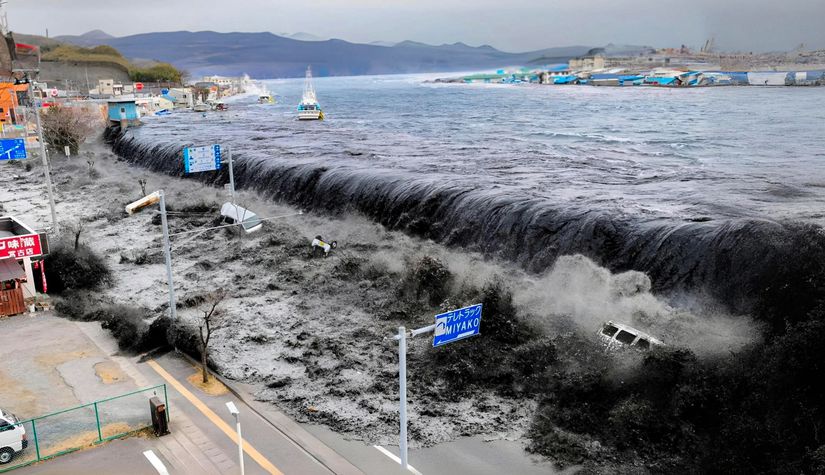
<point x="668" y="67"/>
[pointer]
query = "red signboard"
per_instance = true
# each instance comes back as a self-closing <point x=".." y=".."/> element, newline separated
<point x="18" y="247"/>
<point x="139" y="86"/>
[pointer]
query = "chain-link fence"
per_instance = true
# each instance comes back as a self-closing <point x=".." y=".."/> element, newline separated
<point x="23" y="442"/>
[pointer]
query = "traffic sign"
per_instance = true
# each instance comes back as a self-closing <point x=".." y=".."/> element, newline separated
<point x="54" y="92"/>
<point x="12" y="149"/>
<point x="202" y="159"/>
<point x="139" y="86"/>
<point x="457" y="324"/>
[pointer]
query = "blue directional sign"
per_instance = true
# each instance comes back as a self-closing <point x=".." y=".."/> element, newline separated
<point x="12" y="149"/>
<point x="457" y="324"/>
<point x="202" y="159"/>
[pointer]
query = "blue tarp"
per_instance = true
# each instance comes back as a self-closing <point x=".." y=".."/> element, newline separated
<point x="565" y="79"/>
<point x="558" y="67"/>
<point x="660" y="81"/>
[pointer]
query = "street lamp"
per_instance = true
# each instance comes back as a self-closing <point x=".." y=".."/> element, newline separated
<point x="234" y="411"/>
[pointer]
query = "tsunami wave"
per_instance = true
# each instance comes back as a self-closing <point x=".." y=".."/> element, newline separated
<point x="770" y="269"/>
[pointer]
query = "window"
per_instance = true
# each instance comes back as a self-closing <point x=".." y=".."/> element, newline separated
<point x="625" y="337"/>
<point x="643" y="344"/>
<point x="609" y="330"/>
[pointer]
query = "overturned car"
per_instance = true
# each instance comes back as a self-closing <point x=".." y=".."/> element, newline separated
<point x="617" y="335"/>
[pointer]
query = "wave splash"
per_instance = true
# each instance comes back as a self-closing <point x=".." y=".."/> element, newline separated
<point x="772" y="270"/>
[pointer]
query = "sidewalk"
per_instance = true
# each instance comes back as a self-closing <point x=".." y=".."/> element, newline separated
<point x="202" y="438"/>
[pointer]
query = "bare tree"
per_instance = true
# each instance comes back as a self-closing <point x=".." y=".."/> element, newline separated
<point x="142" y="183"/>
<point x="210" y="321"/>
<point x="67" y="126"/>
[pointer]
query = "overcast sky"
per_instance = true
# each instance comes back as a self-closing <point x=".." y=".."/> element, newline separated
<point x="510" y="25"/>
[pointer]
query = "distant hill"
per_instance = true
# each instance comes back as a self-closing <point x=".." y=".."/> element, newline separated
<point x="265" y="55"/>
<point x="91" y="38"/>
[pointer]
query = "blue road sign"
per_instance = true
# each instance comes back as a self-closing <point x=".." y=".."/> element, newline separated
<point x="12" y="149"/>
<point x="202" y="159"/>
<point x="457" y="324"/>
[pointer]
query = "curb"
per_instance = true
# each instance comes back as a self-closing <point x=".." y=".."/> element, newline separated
<point x="316" y="449"/>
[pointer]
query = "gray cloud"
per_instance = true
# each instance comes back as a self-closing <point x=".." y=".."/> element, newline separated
<point x="513" y="25"/>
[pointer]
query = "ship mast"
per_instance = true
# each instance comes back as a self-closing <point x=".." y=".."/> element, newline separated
<point x="309" y="89"/>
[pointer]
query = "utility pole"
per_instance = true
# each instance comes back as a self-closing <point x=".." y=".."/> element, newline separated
<point x="45" y="157"/>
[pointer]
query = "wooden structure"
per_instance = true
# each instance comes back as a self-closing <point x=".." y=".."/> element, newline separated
<point x="11" y="288"/>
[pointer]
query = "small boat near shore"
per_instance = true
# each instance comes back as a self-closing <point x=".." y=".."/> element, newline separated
<point x="309" y="108"/>
<point x="201" y="107"/>
<point x="266" y="98"/>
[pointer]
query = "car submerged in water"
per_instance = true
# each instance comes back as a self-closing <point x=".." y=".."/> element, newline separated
<point x="617" y="335"/>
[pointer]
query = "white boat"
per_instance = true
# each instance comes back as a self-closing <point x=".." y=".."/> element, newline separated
<point x="309" y="109"/>
<point x="266" y="99"/>
<point x="201" y="107"/>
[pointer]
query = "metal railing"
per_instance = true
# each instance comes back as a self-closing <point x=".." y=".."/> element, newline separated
<point x="62" y="432"/>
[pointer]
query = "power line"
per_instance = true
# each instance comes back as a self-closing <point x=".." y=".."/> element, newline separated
<point x="202" y="230"/>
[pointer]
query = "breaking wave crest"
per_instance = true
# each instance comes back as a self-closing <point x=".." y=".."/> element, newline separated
<point x="773" y="270"/>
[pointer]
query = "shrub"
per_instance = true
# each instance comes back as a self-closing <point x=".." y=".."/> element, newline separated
<point x="75" y="269"/>
<point x="428" y="277"/>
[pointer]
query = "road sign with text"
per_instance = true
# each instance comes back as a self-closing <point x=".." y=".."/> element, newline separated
<point x="457" y="325"/>
<point x="202" y="159"/>
<point x="12" y="149"/>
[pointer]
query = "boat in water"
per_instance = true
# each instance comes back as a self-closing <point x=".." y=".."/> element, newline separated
<point x="309" y="109"/>
<point x="266" y="98"/>
<point x="201" y="107"/>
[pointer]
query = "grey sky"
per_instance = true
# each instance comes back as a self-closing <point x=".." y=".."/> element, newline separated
<point x="511" y="25"/>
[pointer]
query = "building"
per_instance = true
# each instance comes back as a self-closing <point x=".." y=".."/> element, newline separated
<point x="123" y="112"/>
<point x="19" y="246"/>
<point x="589" y="62"/>
<point x="183" y="97"/>
<point x="10" y="98"/>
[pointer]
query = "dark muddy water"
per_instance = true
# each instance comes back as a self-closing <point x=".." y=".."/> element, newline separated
<point x="711" y="188"/>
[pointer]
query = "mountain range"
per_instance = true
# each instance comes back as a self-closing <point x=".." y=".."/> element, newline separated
<point x="265" y="55"/>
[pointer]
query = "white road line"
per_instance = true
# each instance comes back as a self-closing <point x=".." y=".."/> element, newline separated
<point x="396" y="459"/>
<point x="155" y="461"/>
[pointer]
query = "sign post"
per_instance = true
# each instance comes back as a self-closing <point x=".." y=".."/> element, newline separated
<point x="208" y="159"/>
<point x="449" y="327"/>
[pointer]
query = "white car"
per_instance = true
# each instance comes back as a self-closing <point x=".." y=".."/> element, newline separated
<point x="235" y="214"/>
<point x="12" y="437"/>
<point x="617" y="335"/>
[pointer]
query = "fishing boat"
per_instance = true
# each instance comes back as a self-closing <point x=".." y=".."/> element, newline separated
<point x="266" y="98"/>
<point x="309" y="109"/>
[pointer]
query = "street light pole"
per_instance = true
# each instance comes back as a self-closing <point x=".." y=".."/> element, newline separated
<point x="234" y="411"/>
<point x="402" y="394"/>
<point x="168" y="254"/>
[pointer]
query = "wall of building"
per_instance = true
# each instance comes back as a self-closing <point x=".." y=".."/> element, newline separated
<point x="56" y="74"/>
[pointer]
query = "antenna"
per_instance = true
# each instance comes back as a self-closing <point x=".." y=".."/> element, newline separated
<point x="4" y="21"/>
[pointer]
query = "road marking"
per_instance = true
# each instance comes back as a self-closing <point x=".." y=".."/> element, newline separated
<point x="223" y="426"/>
<point x="396" y="459"/>
<point x="155" y="461"/>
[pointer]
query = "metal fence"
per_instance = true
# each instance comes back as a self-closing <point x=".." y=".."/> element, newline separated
<point x="62" y="432"/>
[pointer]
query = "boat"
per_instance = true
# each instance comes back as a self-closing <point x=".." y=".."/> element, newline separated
<point x="221" y="106"/>
<point x="266" y="99"/>
<point x="309" y="109"/>
<point x="201" y="107"/>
